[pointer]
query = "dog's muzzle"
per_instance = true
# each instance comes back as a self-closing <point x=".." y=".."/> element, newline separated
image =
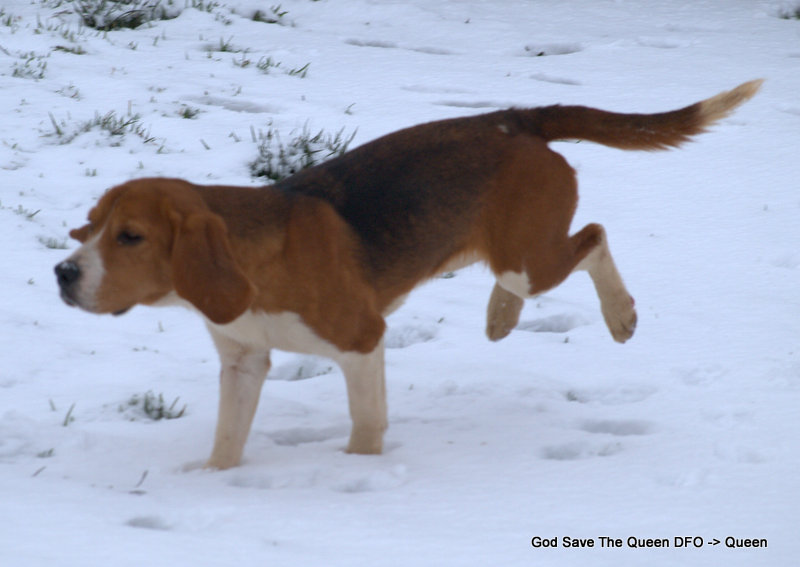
<point x="67" y="273"/>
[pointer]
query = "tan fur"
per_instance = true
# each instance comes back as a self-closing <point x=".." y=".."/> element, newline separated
<point x="315" y="263"/>
<point x="719" y="106"/>
<point x="502" y="313"/>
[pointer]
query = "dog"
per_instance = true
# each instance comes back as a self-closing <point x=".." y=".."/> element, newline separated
<point x="314" y="263"/>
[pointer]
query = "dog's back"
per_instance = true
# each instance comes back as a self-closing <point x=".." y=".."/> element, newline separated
<point x="417" y="197"/>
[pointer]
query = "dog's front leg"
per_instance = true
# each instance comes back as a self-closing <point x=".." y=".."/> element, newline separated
<point x="242" y="375"/>
<point x="366" y="393"/>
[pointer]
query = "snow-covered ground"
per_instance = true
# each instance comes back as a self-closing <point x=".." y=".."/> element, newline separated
<point x="690" y="429"/>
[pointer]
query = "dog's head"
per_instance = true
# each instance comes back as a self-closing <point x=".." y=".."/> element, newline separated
<point x="146" y="239"/>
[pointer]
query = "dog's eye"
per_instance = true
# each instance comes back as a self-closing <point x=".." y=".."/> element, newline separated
<point x="127" y="238"/>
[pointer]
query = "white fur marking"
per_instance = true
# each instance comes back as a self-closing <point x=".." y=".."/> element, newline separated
<point x="515" y="282"/>
<point x="90" y="263"/>
<point x="284" y="331"/>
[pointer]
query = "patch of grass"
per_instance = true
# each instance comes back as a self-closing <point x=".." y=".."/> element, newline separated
<point x="70" y="91"/>
<point x="266" y="64"/>
<point x="75" y="50"/>
<point x="188" y="112"/>
<point x="54" y="243"/>
<point x="58" y="28"/>
<point x="790" y="13"/>
<point x="225" y="46"/>
<point x="30" y="66"/>
<point x="154" y="407"/>
<point x="277" y="160"/>
<point x="211" y="7"/>
<point x="274" y="15"/>
<point x="68" y="418"/>
<point x="204" y="6"/>
<point x="243" y="62"/>
<point x="9" y="20"/>
<point x="27" y="213"/>
<point x="299" y="72"/>
<point x="118" y="125"/>
<point x="115" y="126"/>
<point x="109" y="15"/>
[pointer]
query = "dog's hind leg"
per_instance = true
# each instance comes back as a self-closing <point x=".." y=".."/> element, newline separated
<point x="616" y="303"/>
<point x="545" y="268"/>
<point x="528" y="246"/>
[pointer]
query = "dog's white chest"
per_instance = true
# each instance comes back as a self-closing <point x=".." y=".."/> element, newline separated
<point x="283" y="331"/>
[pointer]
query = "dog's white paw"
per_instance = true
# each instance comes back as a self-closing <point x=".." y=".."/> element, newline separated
<point x="366" y="442"/>
<point x="620" y="316"/>
<point x="502" y="314"/>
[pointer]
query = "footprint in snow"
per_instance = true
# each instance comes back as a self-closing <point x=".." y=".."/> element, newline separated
<point x="149" y="523"/>
<point x="432" y="50"/>
<point x="393" y="45"/>
<point x="352" y="478"/>
<point x="629" y="394"/>
<point x="544" y="49"/>
<point x="236" y="105"/>
<point x="620" y="428"/>
<point x="789" y="109"/>
<point x="403" y="336"/>
<point x="788" y="260"/>
<point x="302" y="367"/>
<point x="355" y="482"/>
<point x="702" y="375"/>
<point x="662" y="43"/>
<point x="371" y="43"/>
<point x="588" y="449"/>
<point x="691" y="478"/>
<point x="301" y="435"/>
<point x="580" y="450"/>
<point x="553" y="79"/>
<point x="473" y="104"/>
<point x="734" y="453"/>
<point x="560" y="323"/>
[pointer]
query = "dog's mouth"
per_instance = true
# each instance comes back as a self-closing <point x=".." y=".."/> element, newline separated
<point x="68" y="299"/>
<point x="72" y="302"/>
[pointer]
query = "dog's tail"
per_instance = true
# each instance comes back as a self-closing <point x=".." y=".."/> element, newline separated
<point x="634" y="131"/>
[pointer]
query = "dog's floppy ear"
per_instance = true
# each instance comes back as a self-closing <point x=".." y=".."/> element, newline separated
<point x="204" y="271"/>
<point x="80" y="234"/>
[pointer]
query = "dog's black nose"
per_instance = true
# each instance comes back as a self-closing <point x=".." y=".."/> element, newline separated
<point x="67" y="273"/>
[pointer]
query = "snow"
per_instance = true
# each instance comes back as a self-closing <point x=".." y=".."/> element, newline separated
<point x="690" y="429"/>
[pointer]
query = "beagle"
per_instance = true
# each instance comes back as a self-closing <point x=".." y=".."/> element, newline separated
<point x="314" y="263"/>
